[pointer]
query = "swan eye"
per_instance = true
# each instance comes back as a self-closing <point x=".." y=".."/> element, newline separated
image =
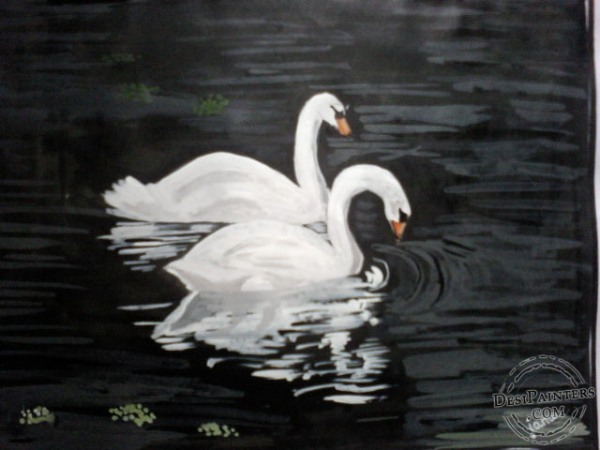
<point x="339" y="114"/>
<point x="403" y="216"/>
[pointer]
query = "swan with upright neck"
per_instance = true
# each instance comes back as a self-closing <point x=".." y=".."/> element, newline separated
<point x="271" y="255"/>
<point x="229" y="188"/>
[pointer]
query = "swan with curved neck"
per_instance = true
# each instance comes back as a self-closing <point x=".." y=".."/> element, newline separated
<point x="270" y="255"/>
<point x="229" y="188"/>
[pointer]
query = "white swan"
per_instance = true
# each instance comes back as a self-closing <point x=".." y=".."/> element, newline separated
<point x="224" y="187"/>
<point x="271" y="255"/>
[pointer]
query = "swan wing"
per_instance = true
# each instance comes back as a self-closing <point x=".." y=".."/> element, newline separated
<point x="272" y="254"/>
<point x="184" y="179"/>
<point x="219" y="187"/>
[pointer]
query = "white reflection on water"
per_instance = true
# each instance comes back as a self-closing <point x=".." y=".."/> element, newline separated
<point x="309" y="336"/>
<point x="144" y="243"/>
<point x="303" y="336"/>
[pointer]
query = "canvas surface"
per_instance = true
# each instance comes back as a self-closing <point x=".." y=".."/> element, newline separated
<point x="482" y="110"/>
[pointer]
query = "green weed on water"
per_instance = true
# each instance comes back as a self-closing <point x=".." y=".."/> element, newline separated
<point x="133" y="412"/>
<point x="37" y="415"/>
<point x="210" y="105"/>
<point x="213" y="429"/>
<point x="138" y="92"/>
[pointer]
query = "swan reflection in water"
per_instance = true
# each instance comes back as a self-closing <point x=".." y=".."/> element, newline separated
<point x="306" y="336"/>
<point x="145" y="245"/>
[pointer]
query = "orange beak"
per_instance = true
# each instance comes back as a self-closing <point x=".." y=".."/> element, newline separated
<point x="343" y="127"/>
<point x="398" y="229"/>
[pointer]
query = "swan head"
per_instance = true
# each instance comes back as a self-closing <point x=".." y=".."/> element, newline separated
<point x="381" y="182"/>
<point x="399" y="225"/>
<point x="332" y="111"/>
<point x="396" y="205"/>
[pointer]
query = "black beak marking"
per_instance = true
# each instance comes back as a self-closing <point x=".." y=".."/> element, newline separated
<point x="338" y="114"/>
<point x="403" y="216"/>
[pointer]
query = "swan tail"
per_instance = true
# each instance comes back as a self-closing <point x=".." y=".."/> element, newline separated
<point x="131" y="199"/>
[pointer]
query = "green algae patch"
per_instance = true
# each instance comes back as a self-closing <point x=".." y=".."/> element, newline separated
<point x="36" y="416"/>
<point x="132" y="412"/>
<point x="213" y="429"/>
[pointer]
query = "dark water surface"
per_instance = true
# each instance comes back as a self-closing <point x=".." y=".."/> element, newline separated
<point x="480" y="108"/>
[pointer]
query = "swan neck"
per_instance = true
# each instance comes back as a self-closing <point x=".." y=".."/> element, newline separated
<point x="306" y="163"/>
<point x="341" y="236"/>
